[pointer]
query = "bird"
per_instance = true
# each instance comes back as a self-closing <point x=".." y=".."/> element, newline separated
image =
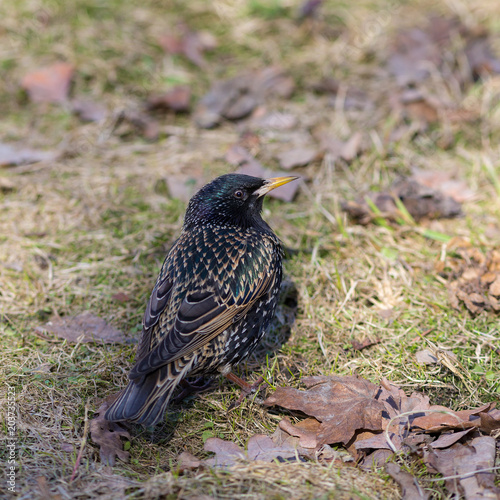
<point x="213" y="300"/>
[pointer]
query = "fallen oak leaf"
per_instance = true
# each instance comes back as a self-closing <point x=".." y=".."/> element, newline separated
<point x="380" y="442"/>
<point x="443" y="418"/>
<point x="89" y="111"/>
<point x="237" y="97"/>
<point x="121" y="297"/>
<point x="426" y="357"/>
<point x="447" y="440"/>
<point x="306" y="431"/>
<point x="297" y="157"/>
<point x="134" y="120"/>
<point x="50" y="84"/>
<point x="419" y="201"/>
<point x="359" y="346"/>
<point x="84" y="328"/>
<point x="177" y="100"/>
<point x="262" y="447"/>
<point x="490" y="421"/>
<point x="481" y="60"/>
<point x="259" y="447"/>
<point x="444" y="182"/>
<point x="190" y="44"/>
<point x="471" y="465"/>
<point x="352" y="147"/>
<point x="274" y="120"/>
<point x="13" y="156"/>
<point x="411" y="489"/>
<point x="341" y="404"/>
<point x="227" y="453"/>
<point x="187" y="461"/>
<point x="107" y="435"/>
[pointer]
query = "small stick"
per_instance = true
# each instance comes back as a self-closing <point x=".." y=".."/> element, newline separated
<point x="83" y="443"/>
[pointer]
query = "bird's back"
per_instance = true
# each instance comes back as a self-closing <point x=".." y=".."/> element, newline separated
<point x="211" y="304"/>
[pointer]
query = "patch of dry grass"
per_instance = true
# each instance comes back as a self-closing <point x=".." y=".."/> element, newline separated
<point x="99" y="221"/>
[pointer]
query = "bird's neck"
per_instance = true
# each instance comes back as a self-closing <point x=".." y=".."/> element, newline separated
<point x="238" y="223"/>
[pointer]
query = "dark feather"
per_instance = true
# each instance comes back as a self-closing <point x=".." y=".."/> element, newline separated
<point x="212" y="302"/>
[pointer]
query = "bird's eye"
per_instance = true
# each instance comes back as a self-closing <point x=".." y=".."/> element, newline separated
<point x="239" y="194"/>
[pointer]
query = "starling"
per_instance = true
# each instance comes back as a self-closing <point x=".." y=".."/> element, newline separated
<point x="213" y="300"/>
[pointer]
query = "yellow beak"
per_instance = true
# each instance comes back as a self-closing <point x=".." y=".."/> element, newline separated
<point x="273" y="183"/>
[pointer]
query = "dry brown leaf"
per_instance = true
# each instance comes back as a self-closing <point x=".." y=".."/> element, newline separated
<point x="67" y="447"/>
<point x="237" y="155"/>
<point x="237" y="97"/>
<point x="352" y="147"/>
<point x="263" y="448"/>
<point x="306" y="430"/>
<point x="107" y="435"/>
<point x="222" y="96"/>
<point x="422" y="201"/>
<point x="12" y="156"/>
<point x="121" y="297"/>
<point x="347" y="150"/>
<point x="88" y="110"/>
<point x="359" y="346"/>
<point x="411" y="489"/>
<point x="444" y="182"/>
<point x="133" y="121"/>
<point x="494" y="288"/>
<point x="190" y="44"/>
<point x="490" y="421"/>
<point x="435" y="422"/>
<point x="474" y="277"/>
<point x="419" y="200"/>
<point x="480" y="57"/>
<point x="84" y="328"/>
<point x="227" y="453"/>
<point x="464" y="461"/>
<point x="297" y="157"/>
<point x="379" y="442"/>
<point x="274" y="120"/>
<point x="49" y="84"/>
<point x="447" y="440"/>
<point x="187" y="461"/>
<point x="423" y="111"/>
<point x="177" y="99"/>
<point x="308" y="8"/>
<point x="6" y="185"/>
<point x="426" y="357"/>
<point x="341" y="404"/>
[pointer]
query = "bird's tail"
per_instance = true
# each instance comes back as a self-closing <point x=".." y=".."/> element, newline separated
<point x="145" y="399"/>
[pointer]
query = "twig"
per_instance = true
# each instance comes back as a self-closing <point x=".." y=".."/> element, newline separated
<point x="465" y="474"/>
<point x="83" y="443"/>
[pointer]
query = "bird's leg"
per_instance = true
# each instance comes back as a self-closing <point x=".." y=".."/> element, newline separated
<point x="246" y="388"/>
<point x="197" y="385"/>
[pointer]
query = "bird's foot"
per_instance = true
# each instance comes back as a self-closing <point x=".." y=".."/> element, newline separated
<point x="197" y="385"/>
<point x="246" y="388"/>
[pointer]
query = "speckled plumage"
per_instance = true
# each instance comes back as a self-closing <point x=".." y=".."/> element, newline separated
<point x="213" y="300"/>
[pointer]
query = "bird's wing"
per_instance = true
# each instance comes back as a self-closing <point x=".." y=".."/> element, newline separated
<point x="205" y="312"/>
<point x="158" y="301"/>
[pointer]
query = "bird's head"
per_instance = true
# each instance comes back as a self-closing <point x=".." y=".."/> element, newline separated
<point x="231" y="199"/>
